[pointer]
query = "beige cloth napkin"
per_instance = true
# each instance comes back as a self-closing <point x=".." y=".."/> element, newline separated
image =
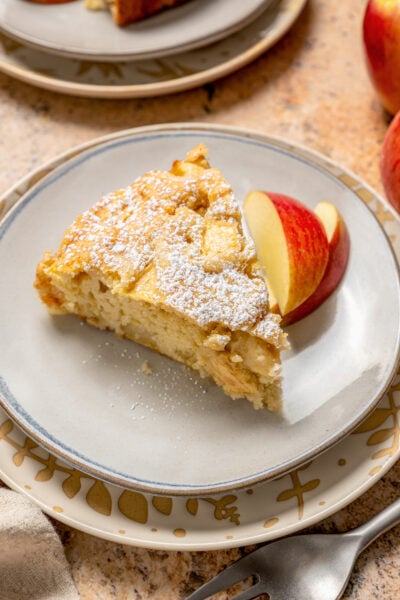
<point x="32" y="561"/>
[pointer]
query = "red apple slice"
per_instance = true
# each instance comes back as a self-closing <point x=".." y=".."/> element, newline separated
<point x="291" y="244"/>
<point x="339" y="248"/>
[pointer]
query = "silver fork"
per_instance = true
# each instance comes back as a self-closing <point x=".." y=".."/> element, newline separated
<point x="302" y="567"/>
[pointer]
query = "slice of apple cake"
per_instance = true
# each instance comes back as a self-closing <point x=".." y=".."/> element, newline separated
<point x="130" y="11"/>
<point x="165" y="262"/>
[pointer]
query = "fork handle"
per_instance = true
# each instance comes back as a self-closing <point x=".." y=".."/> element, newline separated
<point x="378" y="525"/>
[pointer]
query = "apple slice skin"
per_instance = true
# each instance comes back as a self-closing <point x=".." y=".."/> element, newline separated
<point x="339" y="250"/>
<point x="307" y="239"/>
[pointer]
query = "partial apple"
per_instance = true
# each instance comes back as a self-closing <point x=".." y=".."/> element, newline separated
<point x="381" y="35"/>
<point x="339" y="250"/>
<point x="390" y="163"/>
<point x="291" y="244"/>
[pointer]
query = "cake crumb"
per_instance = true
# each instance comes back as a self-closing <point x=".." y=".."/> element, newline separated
<point x="145" y="368"/>
<point x="96" y="4"/>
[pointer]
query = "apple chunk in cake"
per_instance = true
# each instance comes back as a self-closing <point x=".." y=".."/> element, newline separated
<point x="165" y="262"/>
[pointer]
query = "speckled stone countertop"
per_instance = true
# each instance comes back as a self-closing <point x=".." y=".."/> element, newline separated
<point x="311" y="88"/>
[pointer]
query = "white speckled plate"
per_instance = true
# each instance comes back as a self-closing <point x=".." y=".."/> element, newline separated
<point x="270" y="510"/>
<point x="81" y="393"/>
<point x="71" y="30"/>
<point x="149" y="77"/>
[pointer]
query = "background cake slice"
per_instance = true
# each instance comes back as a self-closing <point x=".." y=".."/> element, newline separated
<point x="165" y="262"/>
<point x="130" y="11"/>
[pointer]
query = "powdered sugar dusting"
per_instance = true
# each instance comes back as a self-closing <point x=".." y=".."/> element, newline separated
<point x="183" y="228"/>
<point x="228" y="297"/>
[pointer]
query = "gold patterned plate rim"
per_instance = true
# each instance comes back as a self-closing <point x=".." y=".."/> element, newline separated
<point x="154" y="77"/>
<point x="270" y="510"/>
<point x="70" y="30"/>
<point x="64" y="440"/>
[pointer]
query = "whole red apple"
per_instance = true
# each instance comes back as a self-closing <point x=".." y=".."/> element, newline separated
<point x="381" y="34"/>
<point x="390" y="163"/>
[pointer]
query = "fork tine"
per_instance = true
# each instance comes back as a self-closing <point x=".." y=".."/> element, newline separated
<point x="239" y="570"/>
<point x="251" y="592"/>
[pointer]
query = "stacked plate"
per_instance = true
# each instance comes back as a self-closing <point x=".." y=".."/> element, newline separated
<point x="87" y="431"/>
<point x="66" y="48"/>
